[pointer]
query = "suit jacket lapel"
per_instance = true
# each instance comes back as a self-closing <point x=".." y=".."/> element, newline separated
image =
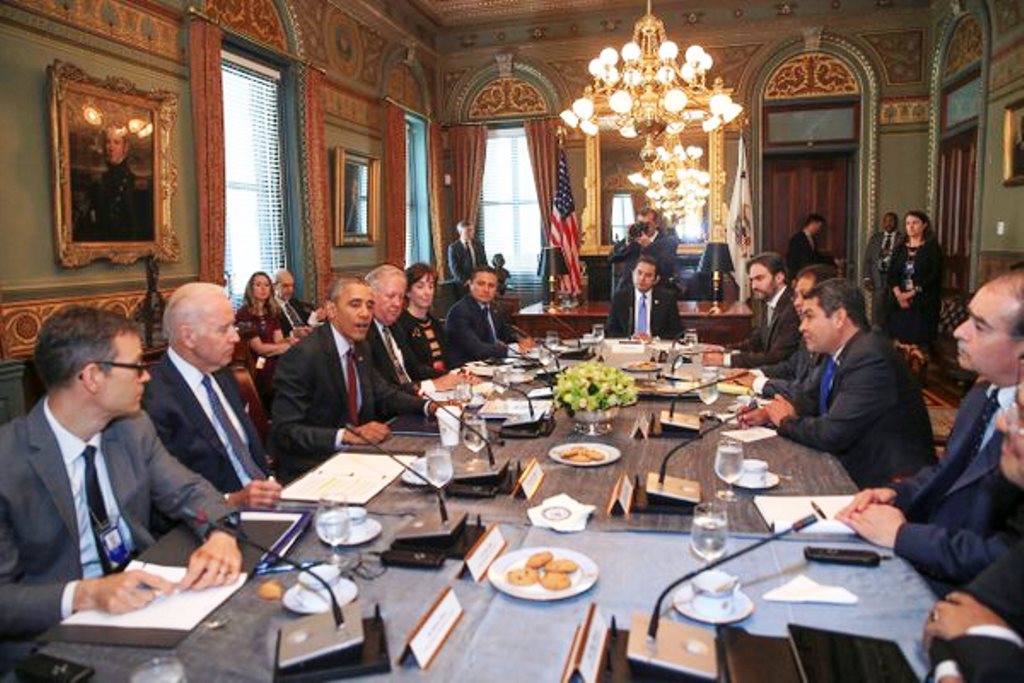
<point x="190" y="405"/>
<point x="329" y="351"/>
<point x="46" y="460"/>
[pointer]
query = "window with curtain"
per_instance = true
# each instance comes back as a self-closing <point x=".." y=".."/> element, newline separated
<point x="510" y="218"/>
<point x="622" y="215"/>
<point x="417" y="204"/>
<point x="254" y="183"/>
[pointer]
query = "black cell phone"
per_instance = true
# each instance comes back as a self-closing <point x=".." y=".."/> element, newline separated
<point x="412" y="558"/>
<point x="40" y="668"/>
<point x="860" y="558"/>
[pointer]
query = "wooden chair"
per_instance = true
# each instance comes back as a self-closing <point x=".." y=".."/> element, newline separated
<point x="253" y="406"/>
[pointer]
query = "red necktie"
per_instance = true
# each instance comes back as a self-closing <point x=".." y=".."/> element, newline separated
<point x="352" y="387"/>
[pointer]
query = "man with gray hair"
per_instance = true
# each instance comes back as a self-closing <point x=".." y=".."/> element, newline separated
<point x="465" y="253"/>
<point x="195" y="404"/>
<point x="296" y="315"/>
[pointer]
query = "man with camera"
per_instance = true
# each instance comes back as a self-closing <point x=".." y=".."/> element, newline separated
<point x="644" y="238"/>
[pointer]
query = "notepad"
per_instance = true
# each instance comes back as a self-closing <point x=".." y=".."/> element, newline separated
<point x="352" y="477"/>
<point x="779" y="512"/>
<point x="751" y="434"/>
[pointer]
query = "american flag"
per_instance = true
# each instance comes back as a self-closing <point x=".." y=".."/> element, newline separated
<point x="565" y="231"/>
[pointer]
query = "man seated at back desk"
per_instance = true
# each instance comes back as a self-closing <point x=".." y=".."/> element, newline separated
<point x="866" y="409"/>
<point x="778" y="335"/>
<point x="81" y="473"/>
<point x="644" y="311"/>
<point x="327" y="381"/>
<point x="476" y="329"/>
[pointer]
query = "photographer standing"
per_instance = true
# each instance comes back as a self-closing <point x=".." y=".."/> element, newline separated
<point x="644" y="238"/>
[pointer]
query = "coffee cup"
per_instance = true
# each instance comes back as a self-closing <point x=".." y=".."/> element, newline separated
<point x="713" y="593"/>
<point x="448" y="422"/>
<point x="356" y="515"/>
<point x="755" y="473"/>
<point x="312" y="593"/>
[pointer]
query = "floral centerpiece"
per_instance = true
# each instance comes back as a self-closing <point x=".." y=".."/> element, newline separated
<point x="592" y="394"/>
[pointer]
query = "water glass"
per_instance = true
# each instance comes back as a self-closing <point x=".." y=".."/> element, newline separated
<point x="333" y="525"/>
<point x="551" y="339"/>
<point x="545" y="356"/>
<point x="710" y="531"/>
<point x="499" y="380"/>
<point x="474" y="432"/>
<point x="729" y="466"/>
<point x="463" y="392"/>
<point x="168" y="669"/>
<point x="439" y="466"/>
<point x="598" y="332"/>
<point x="708" y="380"/>
<point x="690" y="339"/>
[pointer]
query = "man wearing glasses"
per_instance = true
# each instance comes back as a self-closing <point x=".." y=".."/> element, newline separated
<point x="80" y="474"/>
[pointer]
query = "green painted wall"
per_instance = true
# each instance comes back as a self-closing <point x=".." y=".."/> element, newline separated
<point x="999" y="202"/>
<point x="357" y="258"/>
<point x="902" y="170"/>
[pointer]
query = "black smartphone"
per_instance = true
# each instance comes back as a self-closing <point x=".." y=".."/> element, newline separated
<point x="412" y="558"/>
<point x="860" y="558"/>
<point x="40" y="668"/>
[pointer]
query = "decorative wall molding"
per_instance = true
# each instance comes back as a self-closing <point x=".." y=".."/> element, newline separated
<point x="506" y="98"/>
<point x="965" y="47"/>
<point x="1007" y="66"/>
<point x="813" y="74"/>
<point x="350" y="106"/>
<point x="257" y="19"/>
<point x="904" y="110"/>
<point x="1008" y="15"/>
<point x="901" y="54"/>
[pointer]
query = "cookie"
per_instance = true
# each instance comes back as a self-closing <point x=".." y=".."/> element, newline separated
<point x="561" y="566"/>
<point x="555" y="581"/>
<point x="270" y="590"/>
<point x="538" y="560"/>
<point x="526" y="576"/>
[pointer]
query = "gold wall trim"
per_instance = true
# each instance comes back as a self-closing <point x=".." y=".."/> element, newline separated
<point x="904" y="110"/>
<point x="811" y="74"/>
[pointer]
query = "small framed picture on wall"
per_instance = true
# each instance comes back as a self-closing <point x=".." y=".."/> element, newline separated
<point x="355" y="186"/>
<point x="1013" y="144"/>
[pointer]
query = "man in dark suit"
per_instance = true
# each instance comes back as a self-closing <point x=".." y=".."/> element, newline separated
<point x="877" y="255"/>
<point x="389" y="349"/>
<point x="475" y="328"/>
<point x="952" y="520"/>
<point x="977" y="635"/>
<point x="649" y="240"/>
<point x="327" y="381"/>
<point x="465" y="253"/>
<point x="296" y="315"/>
<point x="802" y="250"/>
<point x="194" y="400"/>
<point x="80" y="474"/>
<point x="777" y="337"/>
<point x="866" y="410"/>
<point x="644" y="311"/>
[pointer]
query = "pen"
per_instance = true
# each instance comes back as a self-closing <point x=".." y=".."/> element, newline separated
<point x="281" y="568"/>
<point x="818" y="510"/>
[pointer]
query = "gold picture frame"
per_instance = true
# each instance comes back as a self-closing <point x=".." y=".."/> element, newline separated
<point x="355" y="186"/>
<point x="113" y="177"/>
<point x="1013" y="143"/>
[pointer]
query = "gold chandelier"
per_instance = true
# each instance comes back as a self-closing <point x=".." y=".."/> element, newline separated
<point x="651" y="90"/>
<point x="676" y="184"/>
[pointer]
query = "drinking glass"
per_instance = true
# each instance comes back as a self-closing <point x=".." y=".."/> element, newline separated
<point x="474" y="433"/>
<point x="545" y="356"/>
<point x="463" y="392"/>
<point x="499" y="380"/>
<point x="167" y="669"/>
<point x="710" y="531"/>
<point x="333" y="525"/>
<point x="439" y="466"/>
<point x="551" y="339"/>
<point x="598" y="332"/>
<point x="690" y="339"/>
<point x="729" y="466"/>
<point x="709" y="394"/>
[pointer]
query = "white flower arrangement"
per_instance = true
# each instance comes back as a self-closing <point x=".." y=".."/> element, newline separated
<point x="593" y="386"/>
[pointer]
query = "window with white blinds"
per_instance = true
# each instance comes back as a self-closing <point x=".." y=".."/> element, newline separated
<point x="254" y="222"/>
<point x="417" y="205"/>
<point x="510" y="217"/>
<point x="622" y="215"/>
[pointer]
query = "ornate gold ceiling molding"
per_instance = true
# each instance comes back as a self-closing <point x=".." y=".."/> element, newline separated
<point x="256" y="18"/>
<point x="811" y="74"/>
<point x="464" y="93"/>
<point x="507" y="97"/>
<point x="965" y="47"/>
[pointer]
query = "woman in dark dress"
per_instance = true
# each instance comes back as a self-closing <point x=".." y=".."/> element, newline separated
<point x="915" y="281"/>
<point x="259" y="324"/>
<point x="424" y="332"/>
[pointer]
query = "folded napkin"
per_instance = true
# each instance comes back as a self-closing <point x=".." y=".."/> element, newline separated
<point x="805" y="589"/>
<point x="561" y="513"/>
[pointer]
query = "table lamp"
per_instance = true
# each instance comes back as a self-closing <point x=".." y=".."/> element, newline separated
<point x="717" y="261"/>
<point x="552" y="267"/>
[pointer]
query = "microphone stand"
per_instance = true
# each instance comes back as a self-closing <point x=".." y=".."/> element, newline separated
<point x="730" y="378"/>
<point x="472" y="484"/>
<point x="652" y="628"/>
<point x="668" y="456"/>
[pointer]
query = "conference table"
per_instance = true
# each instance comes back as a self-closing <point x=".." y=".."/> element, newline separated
<point x="501" y="638"/>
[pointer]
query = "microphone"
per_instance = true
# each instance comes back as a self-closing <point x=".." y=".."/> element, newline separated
<point x="524" y="394"/>
<point x="652" y="629"/>
<point x="700" y="435"/>
<point x="461" y="417"/>
<point x="730" y="378"/>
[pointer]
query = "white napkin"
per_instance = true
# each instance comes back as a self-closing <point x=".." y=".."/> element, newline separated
<point x="751" y="434"/>
<point x="805" y="589"/>
<point x="561" y="513"/>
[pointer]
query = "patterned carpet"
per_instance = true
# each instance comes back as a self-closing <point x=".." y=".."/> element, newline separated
<point x="942" y="414"/>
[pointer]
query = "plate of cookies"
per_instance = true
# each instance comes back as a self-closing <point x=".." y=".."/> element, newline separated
<point x="585" y="454"/>
<point x="543" y="574"/>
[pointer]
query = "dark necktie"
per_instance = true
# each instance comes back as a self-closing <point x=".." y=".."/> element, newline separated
<point x="352" y="388"/>
<point x="97" y="505"/>
<point x="389" y="344"/>
<point x="490" y="324"/>
<point x="294" y="319"/>
<point x="826" y="386"/>
<point x="239" y="455"/>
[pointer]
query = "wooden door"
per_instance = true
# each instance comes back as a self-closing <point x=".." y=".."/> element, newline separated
<point x="796" y="186"/>
<point x="954" y="223"/>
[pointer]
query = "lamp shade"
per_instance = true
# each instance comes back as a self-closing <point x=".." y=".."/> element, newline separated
<point x="552" y="262"/>
<point x="716" y="259"/>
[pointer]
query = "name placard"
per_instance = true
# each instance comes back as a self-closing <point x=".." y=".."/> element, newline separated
<point x="484" y="552"/>
<point x="641" y="426"/>
<point x="620" y="502"/>
<point x="529" y="480"/>
<point x="431" y="632"/>
<point x="589" y="644"/>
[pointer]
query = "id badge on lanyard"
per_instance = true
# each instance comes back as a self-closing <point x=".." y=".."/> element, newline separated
<point x="113" y="544"/>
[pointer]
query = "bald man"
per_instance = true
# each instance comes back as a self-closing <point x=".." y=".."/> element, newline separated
<point x="195" y="404"/>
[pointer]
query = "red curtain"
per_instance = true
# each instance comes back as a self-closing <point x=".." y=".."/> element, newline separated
<point x="469" y="148"/>
<point x="204" y="41"/>
<point x="317" y="253"/>
<point x="542" y="142"/>
<point x="394" y="182"/>
<point x="435" y="171"/>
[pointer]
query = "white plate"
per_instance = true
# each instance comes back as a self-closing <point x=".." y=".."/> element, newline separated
<point x="344" y="592"/>
<point x="771" y="481"/>
<point x="582" y="579"/>
<point x="362" y="533"/>
<point x="742" y="607"/>
<point x="611" y="454"/>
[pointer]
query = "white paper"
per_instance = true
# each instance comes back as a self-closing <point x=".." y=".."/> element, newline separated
<point x="515" y="408"/>
<point x="593" y="649"/>
<point x="178" y="612"/>
<point x="562" y="513"/>
<point x="431" y="636"/>
<point x="751" y="434"/>
<point x="352" y="477"/>
<point x="542" y="392"/>
<point x="483" y="555"/>
<point x="781" y="511"/>
<point x="804" y="589"/>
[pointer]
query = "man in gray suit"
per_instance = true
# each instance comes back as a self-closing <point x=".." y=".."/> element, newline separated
<point x="881" y="246"/>
<point x="80" y="474"/>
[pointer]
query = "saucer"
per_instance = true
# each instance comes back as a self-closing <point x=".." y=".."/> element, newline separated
<point x="771" y="481"/>
<point x="420" y="465"/>
<point x="344" y="592"/>
<point x="742" y="607"/>
<point x="362" y="533"/>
